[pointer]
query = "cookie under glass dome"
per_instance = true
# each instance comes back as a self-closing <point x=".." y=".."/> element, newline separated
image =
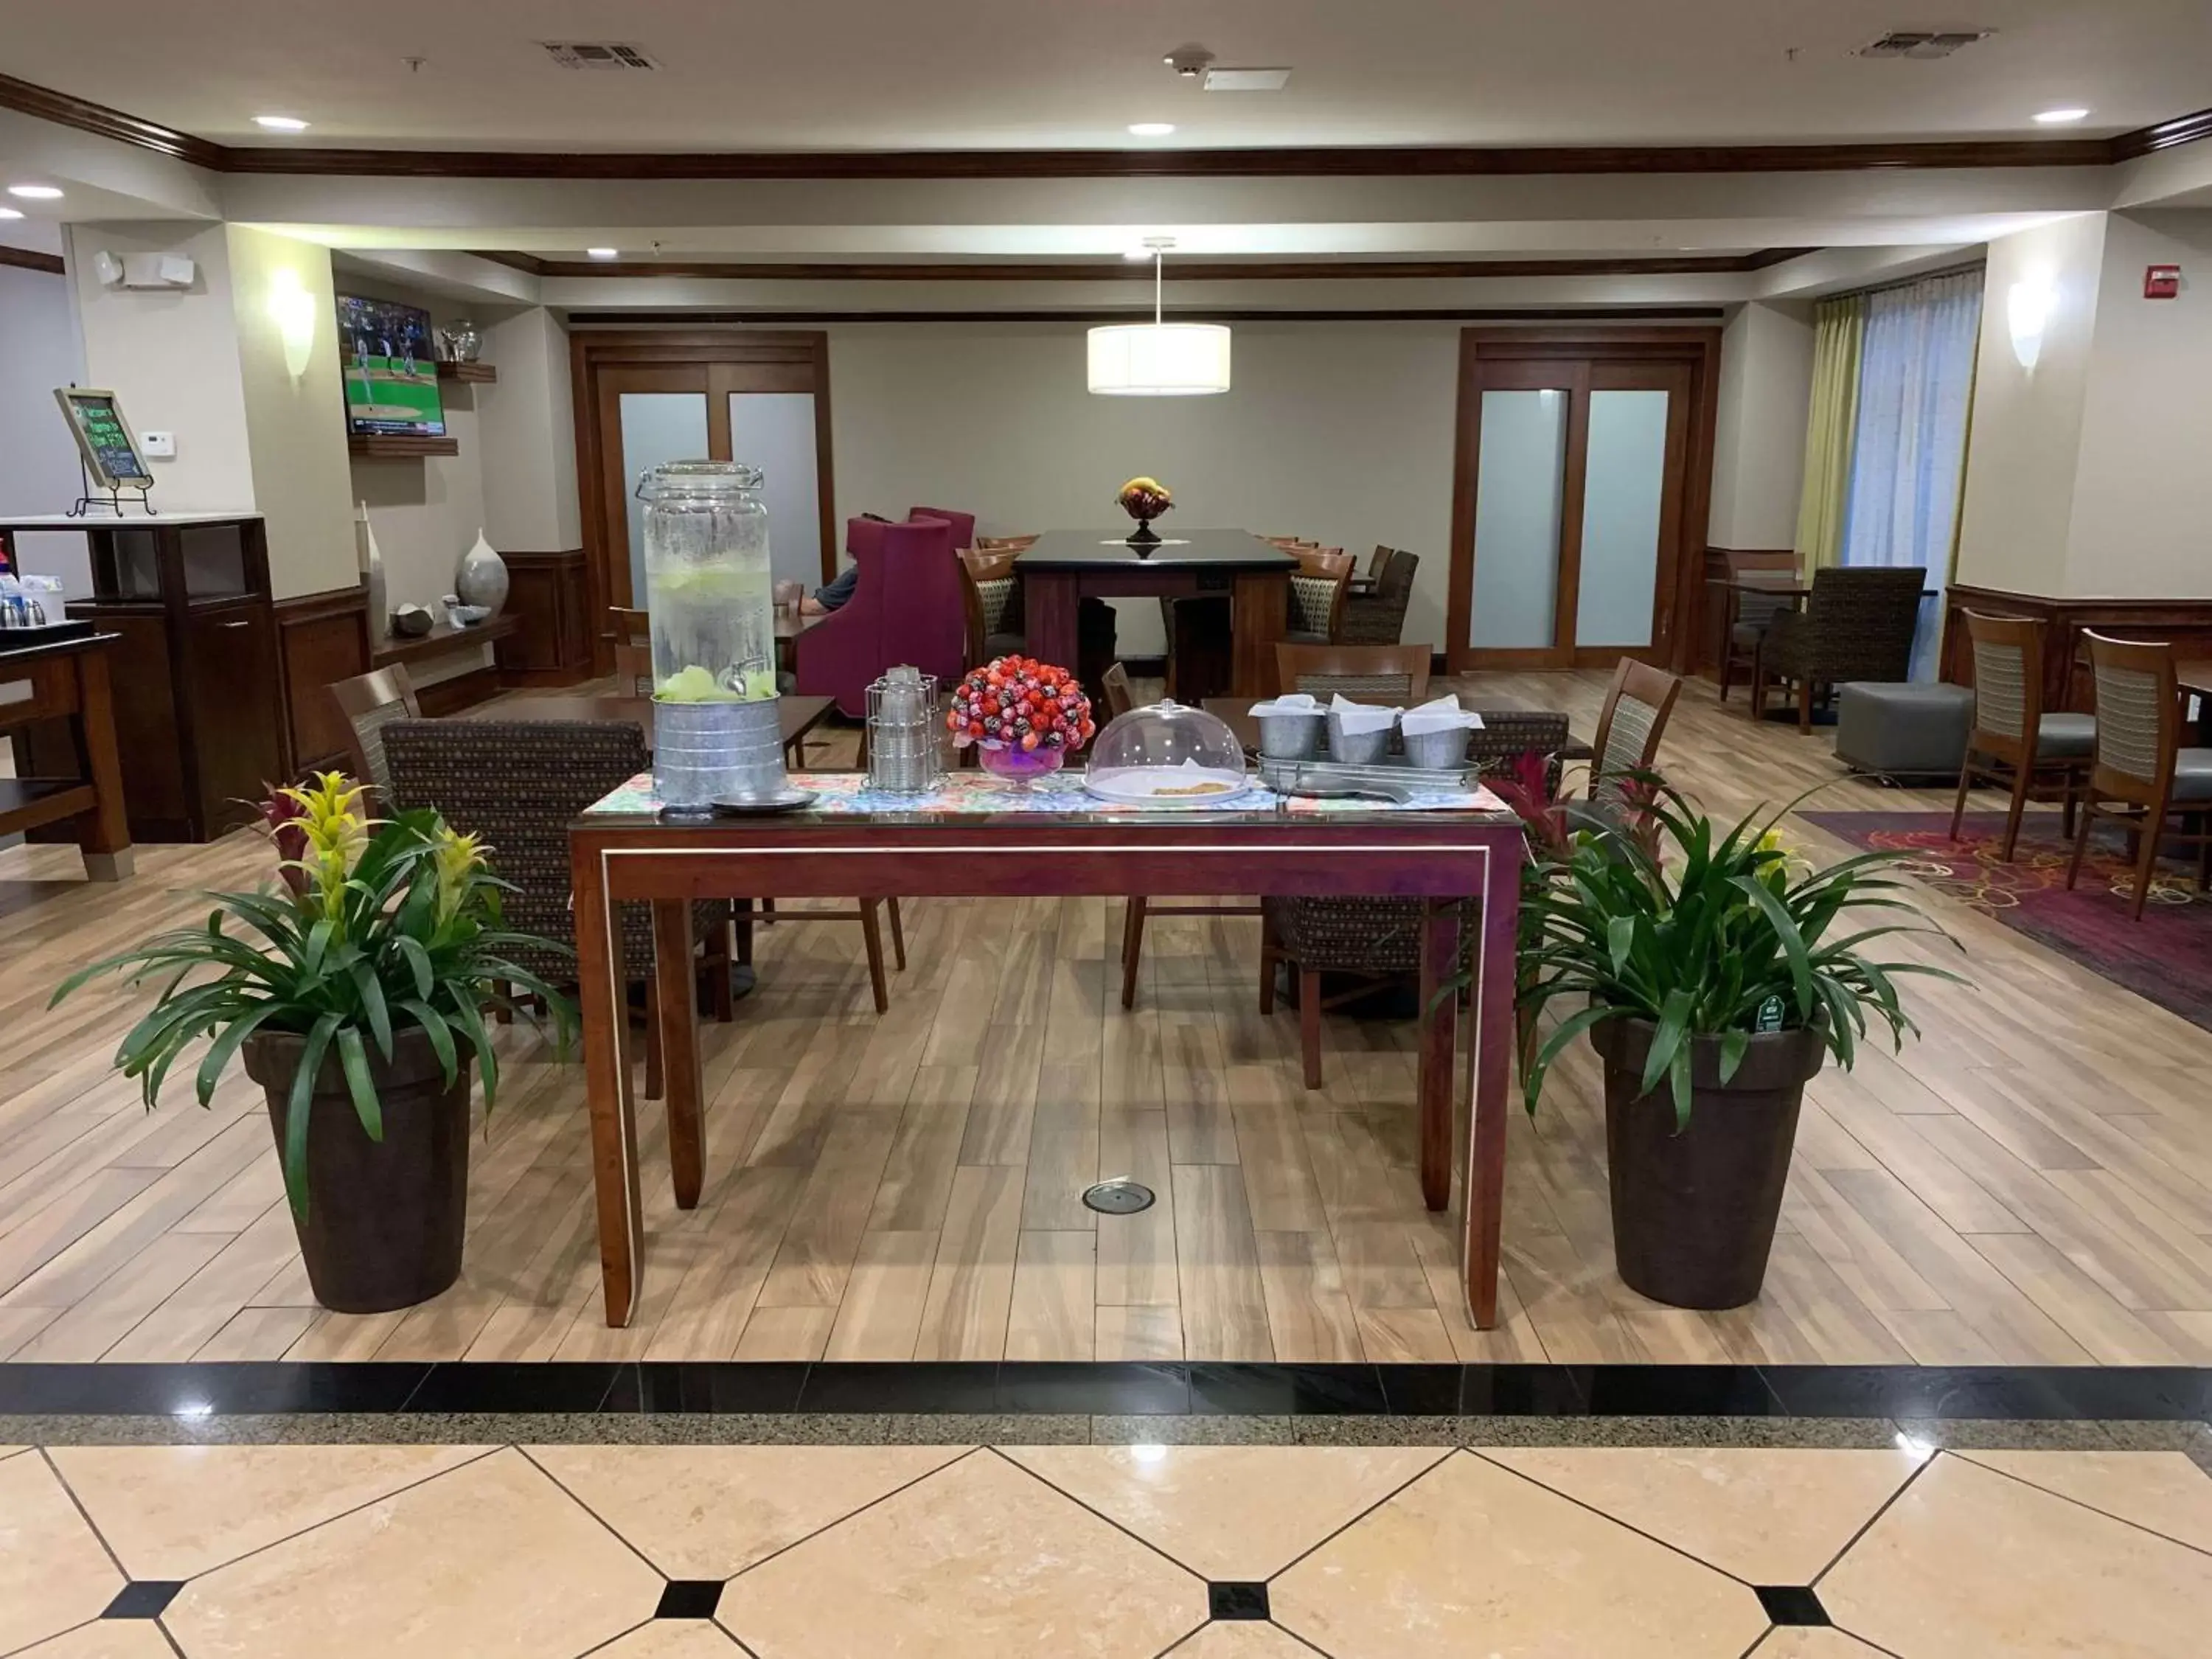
<point x="1167" y="755"/>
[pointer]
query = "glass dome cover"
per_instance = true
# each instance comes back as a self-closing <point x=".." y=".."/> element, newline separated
<point x="1167" y="754"/>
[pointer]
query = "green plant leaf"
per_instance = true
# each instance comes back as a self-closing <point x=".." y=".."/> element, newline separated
<point x="225" y="1044"/>
<point x="1734" y="1045"/>
<point x="366" y="1106"/>
<point x="299" y="1106"/>
<point x="440" y="1033"/>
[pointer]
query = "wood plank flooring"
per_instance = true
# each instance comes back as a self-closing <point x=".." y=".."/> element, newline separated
<point x="2030" y="1183"/>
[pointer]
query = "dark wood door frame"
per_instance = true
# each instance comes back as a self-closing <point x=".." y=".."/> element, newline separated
<point x="731" y="359"/>
<point x="1681" y="564"/>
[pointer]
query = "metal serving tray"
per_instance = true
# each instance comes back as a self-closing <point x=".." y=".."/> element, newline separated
<point x="1393" y="772"/>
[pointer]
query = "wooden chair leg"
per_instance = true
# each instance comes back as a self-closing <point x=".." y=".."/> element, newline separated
<point x="653" y="1039"/>
<point x="1133" y="947"/>
<point x="2022" y="777"/>
<point x="1271" y="953"/>
<point x="744" y="927"/>
<point x="1728" y="667"/>
<point x="2153" y="830"/>
<point x="504" y="1011"/>
<point x="872" y="935"/>
<point x="1309" y="1023"/>
<point x="2081" y="840"/>
<point x="1959" y="808"/>
<point x="720" y="995"/>
<point x="768" y="912"/>
<point x="2069" y="802"/>
<point x="1805" y="707"/>
<point x="898" y="935"/>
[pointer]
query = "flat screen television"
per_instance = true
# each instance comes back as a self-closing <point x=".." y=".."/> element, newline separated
<point x="391" y="371"/>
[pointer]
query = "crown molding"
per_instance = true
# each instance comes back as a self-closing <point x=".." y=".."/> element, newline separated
<point x="1183" y="270"/>
<point x="1598" y="320"/>
<point x="25" y="259"/>
<point x="1367" y="162"/>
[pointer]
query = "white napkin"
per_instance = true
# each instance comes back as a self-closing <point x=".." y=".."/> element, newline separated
<point x="1291" y="703"/>
<point x="1440" y="714"/>
<point x="1357" y="717"/>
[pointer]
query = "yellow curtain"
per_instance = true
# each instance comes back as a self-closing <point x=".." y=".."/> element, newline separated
<point x="1838" y="332"/>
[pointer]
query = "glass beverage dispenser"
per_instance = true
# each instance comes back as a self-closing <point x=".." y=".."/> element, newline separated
<point x="717" y="729"/>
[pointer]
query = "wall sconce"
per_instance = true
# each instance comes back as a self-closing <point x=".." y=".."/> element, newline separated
<point x="293" y="309"/>
<point x="2028" y="306"/>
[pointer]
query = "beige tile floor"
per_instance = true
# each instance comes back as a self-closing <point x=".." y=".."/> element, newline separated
<point x="830" y="1553"/>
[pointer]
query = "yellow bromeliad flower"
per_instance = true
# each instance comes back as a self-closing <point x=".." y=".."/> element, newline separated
<point x="1774" y="857"/>
<point x="336" y="830"/>
<point x="457" y="858"/>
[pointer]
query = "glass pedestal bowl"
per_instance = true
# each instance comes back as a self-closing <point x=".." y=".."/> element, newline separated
<point x="1018" y="765"/>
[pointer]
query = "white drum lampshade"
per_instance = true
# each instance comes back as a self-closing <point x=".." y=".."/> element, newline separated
<point x="1159" y="360"/>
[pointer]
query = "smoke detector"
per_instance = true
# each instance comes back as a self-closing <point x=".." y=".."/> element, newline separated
<point x="597" y="55"/>
<point x="1923" y="44"/>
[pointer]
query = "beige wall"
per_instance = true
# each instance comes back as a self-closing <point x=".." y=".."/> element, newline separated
<point x="1339" y="432"/>
<point x="2141" y="524"/>
<point x="171" y="358"/>
<point x="2023" y="448"/>
<point x="38" y="457"/>
<point x="294" y="424"/>
<point x="527" y="433"/>
<point x="1763" y="402"/>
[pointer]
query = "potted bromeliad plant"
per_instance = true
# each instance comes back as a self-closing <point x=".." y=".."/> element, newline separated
<point x="1714" y="976"/>
<point x="356" y="993"/>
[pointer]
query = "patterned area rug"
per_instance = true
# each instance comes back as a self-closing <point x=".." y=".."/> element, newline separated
<point x="2165" y="957"/>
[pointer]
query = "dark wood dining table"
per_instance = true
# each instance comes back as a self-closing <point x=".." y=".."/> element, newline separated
<point x="1063" y="567"/>
<point x="798" y="715"/>
<point x="953" y="846"/>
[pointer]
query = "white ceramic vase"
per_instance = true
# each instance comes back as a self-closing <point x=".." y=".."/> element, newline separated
<point x="371" y="559"/>
<point x="482" y="577"/>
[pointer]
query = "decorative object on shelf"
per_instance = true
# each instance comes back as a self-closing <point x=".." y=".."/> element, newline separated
<point x="462" y="616"/>
<point x="1143" y="500"/>
<point x="481" y="578"/>
<point x="717" y="736"/>
<point x="1158" y="359"/>
<point x="370" y="558"/>
<point x="904" y="748"/>
<point x="459" y="341"/>
<point x="1708" y="981"/>
<point x="412" y="622"/>
<point x="1025" y="716"/>
<point x="358" y="991"/>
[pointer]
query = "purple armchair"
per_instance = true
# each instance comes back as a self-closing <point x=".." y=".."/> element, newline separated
<point x="963" y="523"/>
<point x="905" y="608"/>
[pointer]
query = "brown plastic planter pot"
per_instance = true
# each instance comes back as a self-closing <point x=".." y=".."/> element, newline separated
<point x="1693" y="1213"/>
<point x="384" y="1221"/>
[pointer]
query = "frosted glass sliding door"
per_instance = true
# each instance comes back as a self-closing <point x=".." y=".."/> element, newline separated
<point x="1624" y="496"/>
<point x="1519" y="493"/>
<point x="774" y="432"/>
<point x="655" y="427"/>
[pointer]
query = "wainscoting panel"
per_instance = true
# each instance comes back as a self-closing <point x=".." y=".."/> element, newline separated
<point x="321" y="638"/>
<point x="546" y="593"/>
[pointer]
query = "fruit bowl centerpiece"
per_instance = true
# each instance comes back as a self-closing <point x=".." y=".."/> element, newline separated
<point x="1143" y="500"/>
<point x="1024" y="716"/>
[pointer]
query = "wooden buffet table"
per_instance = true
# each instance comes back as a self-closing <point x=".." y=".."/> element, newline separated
<point x="955" y="847"/>
<point x="68" y="682"/>
<point x="1063" y="567"/>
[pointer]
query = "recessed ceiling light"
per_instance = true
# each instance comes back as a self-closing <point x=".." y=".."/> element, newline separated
<point x="17" y="213"/>
<point x="1150" y="129"/>
<point x="281" y="122"/>
<point x="35" y="192"/>
<point x="604" y="252"/>
<point x="2059" y="117"/>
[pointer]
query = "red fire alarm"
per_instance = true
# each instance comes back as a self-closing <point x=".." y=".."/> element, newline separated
<point x="2162" y="282"/>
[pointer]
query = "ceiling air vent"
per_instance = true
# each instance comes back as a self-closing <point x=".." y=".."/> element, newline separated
<point x="1924" y="43"/>
<point x="597" y="55"/>
<point x="1246" y="80"/>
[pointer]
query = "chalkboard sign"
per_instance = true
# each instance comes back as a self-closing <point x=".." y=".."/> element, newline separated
<point x="103" y="437"/>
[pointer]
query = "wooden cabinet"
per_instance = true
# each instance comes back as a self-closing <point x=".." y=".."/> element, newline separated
<point x="199" y="703"/>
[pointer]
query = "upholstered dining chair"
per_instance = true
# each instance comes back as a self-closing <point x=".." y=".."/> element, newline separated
<point x="1378" y="939"/>
<point x="2012" y="741"/>
<point x="1380" y="673"/>
<point x="1857" y="624"/>
<point x="906" y="608"/>
<point x="1319" y="587"/>
<point x="519" y="784"/>
<point x="1379" y="617"/>
<point x="1752" y="615"/>
<point x="991" y="594"/>
<point x="2141" y="775"/>
<point x="1637" y="706"/>
<point x="370" y="702"/>
<point x="1378" y="562"/>
<point x="632" y="633"/>
<point x="1120" y="699"/>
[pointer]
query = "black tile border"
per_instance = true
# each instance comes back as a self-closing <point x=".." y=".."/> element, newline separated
<point x="1238" y="1598"/>
<point x="143" y="1598"/>
<point x="1796" y="1606"/>
<point x="1166" y="1388"/>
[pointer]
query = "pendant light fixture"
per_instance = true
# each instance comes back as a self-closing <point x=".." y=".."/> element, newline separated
<point x="1160" y="359"/>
